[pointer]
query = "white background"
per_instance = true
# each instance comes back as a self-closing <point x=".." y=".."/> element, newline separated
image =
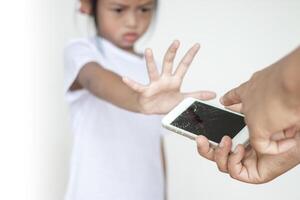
<point x="237" y="38"/>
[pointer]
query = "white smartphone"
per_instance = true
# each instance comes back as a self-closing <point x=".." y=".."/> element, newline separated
<point x="193" y="117"/>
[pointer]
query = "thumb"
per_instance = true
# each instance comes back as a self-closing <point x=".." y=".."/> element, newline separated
<point x="133" y="84"/>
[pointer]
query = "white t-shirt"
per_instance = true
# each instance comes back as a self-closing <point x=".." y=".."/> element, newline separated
<point x="116" y="153"/>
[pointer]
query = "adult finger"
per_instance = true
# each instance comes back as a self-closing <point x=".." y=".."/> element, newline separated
<point x="222" y="153"/>
<point x="266" y="143"/>
<point x="269" y="146"/>
<point x="235" y="107"/>
<point x="204" y="148"/>
<point x="235" y="165"/>
<point x="286" y="134"/>
<point x="233" y="96"/>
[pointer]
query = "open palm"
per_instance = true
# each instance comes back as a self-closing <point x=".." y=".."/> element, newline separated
<point x="163" y="92"/>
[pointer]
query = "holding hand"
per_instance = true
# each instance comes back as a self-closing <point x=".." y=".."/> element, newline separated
<point x="248" y="165"/>
<point x="270" y="101"/>
<point x="163" y="92"/>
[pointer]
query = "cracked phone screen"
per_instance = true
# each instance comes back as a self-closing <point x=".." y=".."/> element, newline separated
<point x="212" y="122"/>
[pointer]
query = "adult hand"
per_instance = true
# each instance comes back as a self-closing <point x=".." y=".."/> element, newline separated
<point x="248" y="165"/>
<point x="270" y="101"/>
<point x="163" y="92"/>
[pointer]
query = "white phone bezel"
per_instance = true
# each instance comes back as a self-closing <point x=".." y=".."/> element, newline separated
<point x="241" y="138"/>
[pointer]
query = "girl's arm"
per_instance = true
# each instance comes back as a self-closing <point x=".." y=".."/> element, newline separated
<point x="108" y="86"/>
<point x="158" y="97"/>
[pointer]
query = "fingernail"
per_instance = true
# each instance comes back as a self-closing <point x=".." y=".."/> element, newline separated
<point x="199" y="139"/>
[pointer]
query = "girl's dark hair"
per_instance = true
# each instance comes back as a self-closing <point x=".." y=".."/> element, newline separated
<point x="94" y="10"/>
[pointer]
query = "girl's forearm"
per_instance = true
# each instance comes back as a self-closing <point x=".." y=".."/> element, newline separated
<point x="108" y="86"/>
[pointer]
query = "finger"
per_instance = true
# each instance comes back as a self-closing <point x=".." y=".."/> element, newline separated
<point x="222" y="153"/>
<point x="204" y="148"/>
<point x="186" y="61"/>
<point x="287" y="134"/>
<point x="202" y="95"/>
<point x="270" y="144"/>
<point x="169" y="58"/>
<point x="133" y="84"/>
<point x="278" y="136"/>
<point x="151" y="66"/>
<point x="233" y="96"/>
<point x="275" y="147"/>
<point x="235" y="107"/>
<point x="291" y="132"/>
<point x="235" y="165"/>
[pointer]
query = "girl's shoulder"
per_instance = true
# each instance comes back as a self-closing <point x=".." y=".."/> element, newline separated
<point x="82" y="49"/>
<point x="78" y="43"/>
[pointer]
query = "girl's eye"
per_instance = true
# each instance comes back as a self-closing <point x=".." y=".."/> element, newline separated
<point x="118" y="10"/>
<point x="146" y="9"/>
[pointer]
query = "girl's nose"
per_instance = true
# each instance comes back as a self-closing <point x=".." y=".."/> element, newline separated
<point x="131" y="20"/>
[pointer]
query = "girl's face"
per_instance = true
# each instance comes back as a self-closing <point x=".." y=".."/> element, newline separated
<point x="123" y="22"/>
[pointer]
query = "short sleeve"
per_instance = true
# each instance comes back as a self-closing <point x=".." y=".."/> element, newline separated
<point x="77" y="53"/>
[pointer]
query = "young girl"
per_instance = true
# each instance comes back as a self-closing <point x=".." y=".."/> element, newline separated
<point x="117" y="143"/>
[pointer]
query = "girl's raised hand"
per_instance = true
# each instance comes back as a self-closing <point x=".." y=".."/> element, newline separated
<point x="163" y="92"/>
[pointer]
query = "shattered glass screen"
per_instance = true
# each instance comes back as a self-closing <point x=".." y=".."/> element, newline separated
<point x="213" y="123"/>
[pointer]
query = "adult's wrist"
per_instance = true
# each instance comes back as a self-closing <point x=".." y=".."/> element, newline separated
<point x="293" y="69"/>
<point x="290" y="76"/>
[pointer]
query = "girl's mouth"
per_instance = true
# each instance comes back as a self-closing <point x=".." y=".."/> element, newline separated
<point x="130" y="37"/>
